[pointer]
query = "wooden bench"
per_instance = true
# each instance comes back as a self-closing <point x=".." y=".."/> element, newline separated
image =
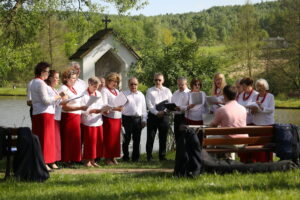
<point x="10" y="147"/>
<point x="260" y="139"/>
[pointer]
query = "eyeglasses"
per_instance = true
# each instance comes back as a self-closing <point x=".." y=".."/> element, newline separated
<point x="159" y="80"/>
<point x="197" y="84"/>
<point x="133" y="84"/>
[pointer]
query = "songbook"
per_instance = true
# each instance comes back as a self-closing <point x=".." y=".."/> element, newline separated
<point x="211" y="100"/>
<point x="251" y="105"/>
<point x="171" y="106"/>
<point x="92" y="100"/>
<point x="72" y="99"/>
<point x="196" y="98"/>
<point x="161" y="106"/>
<point x="120" y="100"/>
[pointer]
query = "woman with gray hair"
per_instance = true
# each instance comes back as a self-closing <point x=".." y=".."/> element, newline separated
<point x="263" y="115"/>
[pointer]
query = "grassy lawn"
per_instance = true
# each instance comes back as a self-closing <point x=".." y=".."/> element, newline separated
<point x="120" y="186"/>
<point x="12" y="92"/>
<point x="290" y="103"/>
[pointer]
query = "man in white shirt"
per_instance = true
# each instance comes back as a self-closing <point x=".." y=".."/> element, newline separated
<point x="134" y="117"/>
<point x="180" y="98"/>
<point x="80" y="85"/>
<point x="157" y="117"/>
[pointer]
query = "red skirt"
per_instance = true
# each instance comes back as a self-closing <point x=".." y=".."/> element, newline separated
<point x="70" y="137"/>
<point x="111" y="137"/>
<point x="57" y="141"/>
<point x="43" y="126"/>
<point x="192" y="122"/>
<point x="253" y="157"/>
<point x="93" y="142"/>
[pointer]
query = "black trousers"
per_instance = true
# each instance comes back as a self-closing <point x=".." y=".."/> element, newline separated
<point x="133" y="128"/>
<point x="179" y="121"/>
<point x="161" y="124"/>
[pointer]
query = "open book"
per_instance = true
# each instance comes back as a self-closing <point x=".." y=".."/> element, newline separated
<point x="251" y="105"/>
<point x="171" y="106"/>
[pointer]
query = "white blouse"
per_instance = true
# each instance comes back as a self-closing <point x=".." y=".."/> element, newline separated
<point x="243" y="100"/>
<point x="42" y="102"/>
<point x="92" y="119"/>
<point x="181" y="99"/>
<point x="108" y="99"/>
<point x="75" y="103"/>
<point x="155" y="96"/>
<point x="265" y="116"/>
<point x="196" y="112"/>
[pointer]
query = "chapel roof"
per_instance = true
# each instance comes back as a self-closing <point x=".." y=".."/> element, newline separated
<point x="98" y="37"/>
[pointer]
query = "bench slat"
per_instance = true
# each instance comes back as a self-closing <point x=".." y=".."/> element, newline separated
<point x="232" y="141"/>
<point x="251" y="130"/>
<point x="256" y="149"/>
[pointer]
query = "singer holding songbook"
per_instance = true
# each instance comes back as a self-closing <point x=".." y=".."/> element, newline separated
<point x="157" y="117"/>
<point x="112" y="120"/>
<point x="92" y="123"/>
<point x="134" y="119"/>
<point x="70" y="119"/>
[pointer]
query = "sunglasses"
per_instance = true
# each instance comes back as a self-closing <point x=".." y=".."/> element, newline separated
<point x="197" y="84"/>
<point x="133" y="84"/>
<point x="159" y="80"/>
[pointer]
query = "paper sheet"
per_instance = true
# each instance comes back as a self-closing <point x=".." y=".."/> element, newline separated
<point x="120" y="100"/>
<point x="74" y="98"/>
<point x="211" y="100"/>
<point x="92" y="100"/>
<point x="196" y="98"/>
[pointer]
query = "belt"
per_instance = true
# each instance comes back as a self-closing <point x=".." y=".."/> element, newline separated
<point x="132" y="117"/>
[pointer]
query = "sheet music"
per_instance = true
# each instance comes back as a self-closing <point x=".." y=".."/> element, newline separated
<point x="92" y="100"/>
<point x="212" y="100"/>
<point x="74" y="98"/>
<point x="196" y="98"/>
<point x="251" y="105"/>
<point x="120" y="100"/>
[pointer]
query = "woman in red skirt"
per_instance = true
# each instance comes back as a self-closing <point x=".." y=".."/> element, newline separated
<point x="112" y="120"/>
<point x="70" y="119"/>
<point x="92" y="123"/>
<point x="43" y="112"/>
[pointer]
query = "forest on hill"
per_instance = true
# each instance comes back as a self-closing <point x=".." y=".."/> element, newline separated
<point x="260" y="40"/>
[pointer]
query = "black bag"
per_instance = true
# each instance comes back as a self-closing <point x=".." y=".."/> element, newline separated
<point x="28" y="163"/>
<point x="188" y="155"/>
<point x="287" y="138"/>
<point x="214" y="165"/>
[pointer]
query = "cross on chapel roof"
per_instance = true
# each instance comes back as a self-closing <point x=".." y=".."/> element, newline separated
<point x="106" y="21"/>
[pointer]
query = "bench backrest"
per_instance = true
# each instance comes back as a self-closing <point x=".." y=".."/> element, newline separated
<point x="258" y="135"/>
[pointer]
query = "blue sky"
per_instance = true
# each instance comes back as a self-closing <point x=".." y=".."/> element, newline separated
<point x="156" y="7"/>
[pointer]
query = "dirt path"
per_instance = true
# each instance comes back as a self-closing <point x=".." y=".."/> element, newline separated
<point x="119" y="171"/>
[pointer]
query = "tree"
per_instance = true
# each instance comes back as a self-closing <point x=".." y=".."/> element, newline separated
<point x="245" y="41"/>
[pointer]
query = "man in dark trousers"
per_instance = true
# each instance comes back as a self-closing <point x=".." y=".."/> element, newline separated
<point x="134" y="117"/>
<point x="157" y="117"/>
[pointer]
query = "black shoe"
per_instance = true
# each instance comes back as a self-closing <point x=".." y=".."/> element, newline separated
<point x="149" y="158"/>
<point x="125" y="158"/>
<point x="163" y="159"/>
<point x="135" y="160"/>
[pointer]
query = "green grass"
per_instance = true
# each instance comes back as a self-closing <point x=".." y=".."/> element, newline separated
<point x="290" y="103"/>
<point x="276" y="185"/>
<point x="12" y="92"/>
